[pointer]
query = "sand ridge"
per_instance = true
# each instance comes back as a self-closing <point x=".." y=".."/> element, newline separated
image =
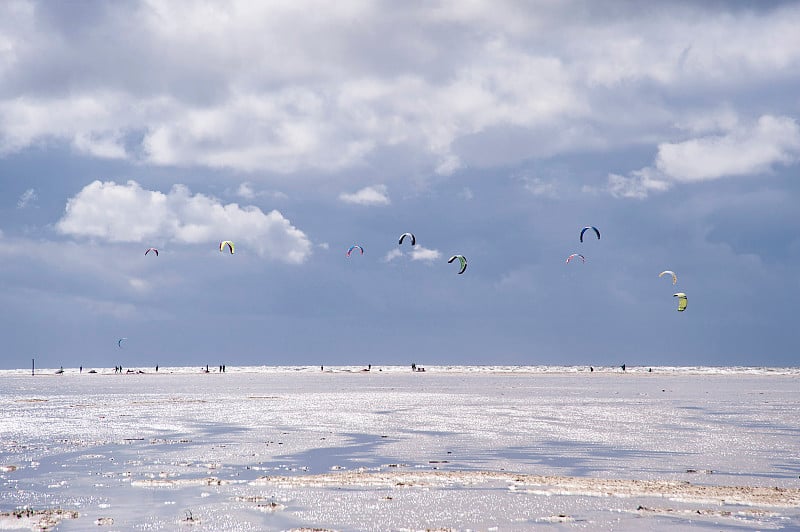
<point x="551" y="485"/>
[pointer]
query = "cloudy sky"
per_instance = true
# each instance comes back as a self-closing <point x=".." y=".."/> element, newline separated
<point x="492" y="129"/>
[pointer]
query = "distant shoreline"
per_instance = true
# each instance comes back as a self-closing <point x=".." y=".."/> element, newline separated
<point x="395" y="369"/>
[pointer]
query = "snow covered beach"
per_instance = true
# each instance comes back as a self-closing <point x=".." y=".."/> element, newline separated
<point x="450" y="448"/>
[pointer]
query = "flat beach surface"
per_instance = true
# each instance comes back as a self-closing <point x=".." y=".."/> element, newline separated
<point x="391" y="449"/>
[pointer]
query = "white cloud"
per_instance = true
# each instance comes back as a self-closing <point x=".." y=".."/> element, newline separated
<point x="417" y="253"/>
<point x="639" y="185"/>
<point x="90" y="121"/>
<point x="371" y="195"/>
<point x="540" y="187"/>
<point x="248" y="191"/>
<point x="104" y="145"/>
<point x="27" y="197"/>
<point x="128" y="213"/>
<point x="392" y="254"/>
<point x="424" y="254"/>
<point x="245" y="191"/>
<point x="744" y="150"/>
<point x="283" y="131"/>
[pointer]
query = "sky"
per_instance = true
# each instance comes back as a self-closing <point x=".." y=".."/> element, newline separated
<point x="495" y="130"/>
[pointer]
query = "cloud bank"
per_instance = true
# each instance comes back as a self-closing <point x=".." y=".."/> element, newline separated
<point x="290" y="87"/>
<point x="128" y="213"/>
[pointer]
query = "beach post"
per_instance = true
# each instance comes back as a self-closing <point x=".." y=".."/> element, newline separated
<point x="33" y="366"/>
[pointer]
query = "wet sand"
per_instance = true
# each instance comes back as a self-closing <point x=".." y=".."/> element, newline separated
<point x="352" y="450"/>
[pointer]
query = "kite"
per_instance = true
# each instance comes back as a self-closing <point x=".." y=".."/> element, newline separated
<point x="593" y="228"/>
<point x="681" y="301"/>
<point x="411" y="236"/>
<point x="462" y="259"/>
<point x="349" y="251"/>
<point x="669" y="272"/>
<point x="225" y="243"/>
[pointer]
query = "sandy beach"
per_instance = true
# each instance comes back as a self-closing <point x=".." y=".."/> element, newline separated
<point x="390" y="449"/>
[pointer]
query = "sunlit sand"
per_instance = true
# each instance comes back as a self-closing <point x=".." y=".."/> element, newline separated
<point x="449" y="448"/>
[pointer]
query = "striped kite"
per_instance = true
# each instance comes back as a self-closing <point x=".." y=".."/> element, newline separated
<point x="356" y="246"/>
